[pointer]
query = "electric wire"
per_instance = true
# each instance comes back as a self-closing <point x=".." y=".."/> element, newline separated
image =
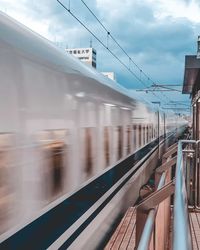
<point x="101" y="42"/>
<point x="113" y="38"/>
<point x="139" y="78"/>
<point x="130" y="59"/>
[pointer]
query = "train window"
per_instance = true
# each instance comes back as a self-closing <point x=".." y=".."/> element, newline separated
<point x="147" y="133"/>
<point x="54" y="149"/>
<point x="106" y="146"/>
<point x="54" y="168"/>
<point x="88" y="152"/>
<point x="6" y="181"/>
<point x="128" y="139"/>
<point x="157" y="131"/>
<point x="134" y="137"/>
<point x="57" y="149"/>
<point x="140" y="135"/>
<point x="153" y="131"/>
<point x="144" y="135"/>
<point x="120" y="142"/>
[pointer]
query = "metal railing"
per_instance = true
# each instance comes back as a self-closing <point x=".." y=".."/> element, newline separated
<point x="187" y="188"/>
<point x="146" y="235"/>
<point x="181" y="230"/>
<point x="196" y="185"/>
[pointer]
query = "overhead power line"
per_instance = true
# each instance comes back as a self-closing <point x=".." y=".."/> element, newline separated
<point x="160" y="88"/>
<point x="105" y="45"/>
<point x="113" y="38"/>
<point x="116" y="42"/>
<point x="130" y="59"/>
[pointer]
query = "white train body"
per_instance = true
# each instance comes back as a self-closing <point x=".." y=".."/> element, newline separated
<point x="62" y="123"/>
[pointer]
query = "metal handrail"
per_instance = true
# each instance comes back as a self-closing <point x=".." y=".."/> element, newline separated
<point x="181" y="230"/>
<point x="197" y="190"/>
<point x="148" y="228"/>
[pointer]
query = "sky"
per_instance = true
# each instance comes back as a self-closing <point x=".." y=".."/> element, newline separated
<point x="156" y="34"/>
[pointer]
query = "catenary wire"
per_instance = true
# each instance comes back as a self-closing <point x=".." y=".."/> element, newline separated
<point x="109" y="50"/>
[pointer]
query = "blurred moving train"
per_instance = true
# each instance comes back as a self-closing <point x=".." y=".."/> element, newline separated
<point x="62" y="123"/>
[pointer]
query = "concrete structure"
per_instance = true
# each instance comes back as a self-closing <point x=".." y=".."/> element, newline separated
<point x="87" y="55"/>
<point x="110" y="75"/>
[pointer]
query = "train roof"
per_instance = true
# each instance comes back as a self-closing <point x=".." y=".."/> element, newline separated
<point x="26" y="40"/>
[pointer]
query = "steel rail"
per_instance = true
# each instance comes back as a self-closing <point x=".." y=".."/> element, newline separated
<point x="181" y="230"/>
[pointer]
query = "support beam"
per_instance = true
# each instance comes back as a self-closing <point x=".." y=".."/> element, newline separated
<point x="165" y="166"/>
<point x="170" y="152"/>
<point x="172" y="146"/>
<point x="157" y="197"/>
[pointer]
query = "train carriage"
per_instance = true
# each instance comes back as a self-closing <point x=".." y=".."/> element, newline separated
<point x="63" y="126"/>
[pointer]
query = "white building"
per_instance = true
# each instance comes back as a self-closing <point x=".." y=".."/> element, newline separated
<point x="87" y="55"/>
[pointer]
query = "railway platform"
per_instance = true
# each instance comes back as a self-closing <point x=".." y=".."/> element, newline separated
<point x="169" y="217"/>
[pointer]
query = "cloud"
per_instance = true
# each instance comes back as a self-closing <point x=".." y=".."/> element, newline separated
<point x="156" y="34"/>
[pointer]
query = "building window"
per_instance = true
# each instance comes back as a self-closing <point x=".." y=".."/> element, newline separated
<point x="94" y="64"/>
